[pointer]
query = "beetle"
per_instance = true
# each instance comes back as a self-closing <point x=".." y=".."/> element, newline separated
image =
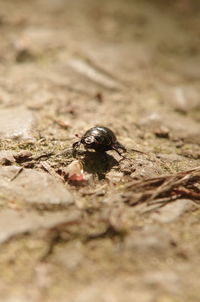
<point x="100" y="139"/>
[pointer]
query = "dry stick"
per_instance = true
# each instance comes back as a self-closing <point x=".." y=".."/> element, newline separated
<point x="143" y="183"/>
<point x="166" y="186"/>
<point x="160" y="189"/>
<point x="43" y="155"/>
<point x="45" y="165"/>
<point x="138" y="151"/>
<point x="188" y="192"/>
<point x="167" y="183"/>
<point x="17" y="174"/>
<point x="96" y="191"/>
<point x="154" y="208"/>
<point x="155" y="180"/>
<point x="164" y="200"/>
<point x="173" y="183"/>
<point x="174" y="186"/>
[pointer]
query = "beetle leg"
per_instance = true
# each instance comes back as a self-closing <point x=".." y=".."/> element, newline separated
<point x="119" y="146"/>
<point x="76" y="144"/>
<point x="117" y="150"/>
<point x="75" y="147"/>
<point x="120" y="153"/>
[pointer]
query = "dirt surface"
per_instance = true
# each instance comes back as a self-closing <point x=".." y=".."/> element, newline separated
<point x="130" y="230"/>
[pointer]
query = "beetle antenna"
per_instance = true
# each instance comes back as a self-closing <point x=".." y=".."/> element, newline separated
<point x="138" y="151"/>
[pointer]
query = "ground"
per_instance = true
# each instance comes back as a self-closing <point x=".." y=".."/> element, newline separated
<point x="130" y="231"/>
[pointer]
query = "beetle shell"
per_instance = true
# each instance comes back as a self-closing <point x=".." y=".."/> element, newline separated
<point x="99" y="138"/>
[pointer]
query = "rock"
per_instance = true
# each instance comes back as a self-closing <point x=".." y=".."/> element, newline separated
<point x="179" y="126"/>
<point x="73" y="260"/>
<point x="151" y="239"/>
<point x="173" y="157"/>
<point x="151" y="120"/>
<point x="92" y="73"/>
<point x="7" y="173"/>
<point x="162" y="132"/>
<point x="22" y="155"/>
<point x="182" y="98"/>
<point x="13" y="222"/>
<point x="24" y="55"/>
<point x="32" y="186"/>
<point x="7" y="157"/>
<point x="164" y="280"/>
<point x="191" y="150"/>
<point x="16" y="123"/>
<point x="172" y="211"/>
<point x="146" y="169"/>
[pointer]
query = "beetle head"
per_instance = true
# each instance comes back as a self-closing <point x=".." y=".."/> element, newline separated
<point x="89" y="140"/>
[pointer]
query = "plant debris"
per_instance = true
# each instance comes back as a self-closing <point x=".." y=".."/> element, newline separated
<point x="164" y="189"/>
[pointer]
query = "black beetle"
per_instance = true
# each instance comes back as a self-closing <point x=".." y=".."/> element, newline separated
<point x="100" y="139"/>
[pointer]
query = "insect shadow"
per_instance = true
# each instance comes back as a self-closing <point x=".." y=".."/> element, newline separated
<point x="98" y="163"/>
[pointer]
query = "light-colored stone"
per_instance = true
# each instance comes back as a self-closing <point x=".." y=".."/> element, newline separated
<point x="152" y="239"/>
<point x="172" y="211"/>
<point x="146" y="169"/>
<point x="16" y="123"/>
<point x="14" y="222"/>
<point x="165" y="280"/>
<point x="31" y="186"/>
<point x="183" y="98"/>
<point x="7" y="156"/>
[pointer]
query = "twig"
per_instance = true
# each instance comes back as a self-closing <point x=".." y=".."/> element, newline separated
<point x="17" y="174"/>
<point x="164" y="189"/>
<point x="47" y="155"/>
<point x="51" y="171"/>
